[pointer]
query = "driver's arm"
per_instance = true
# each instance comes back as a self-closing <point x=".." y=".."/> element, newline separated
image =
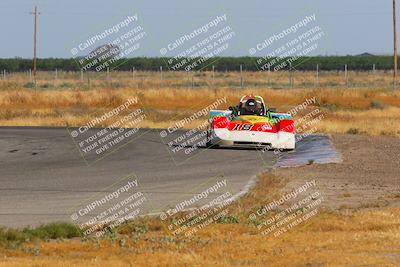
<point x="234" y="110"/>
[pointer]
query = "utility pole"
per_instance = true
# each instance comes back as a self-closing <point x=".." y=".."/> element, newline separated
<point x="35" y="13"/>
<point x="394" y="46"/>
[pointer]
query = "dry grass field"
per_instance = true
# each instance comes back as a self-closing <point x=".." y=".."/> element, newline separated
<point x="69" y="101"/>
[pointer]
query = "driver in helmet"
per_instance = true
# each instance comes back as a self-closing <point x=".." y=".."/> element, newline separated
<point x="249" y="107"/>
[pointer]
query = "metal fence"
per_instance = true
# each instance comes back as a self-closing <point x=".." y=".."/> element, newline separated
<point x="202" y="79"/>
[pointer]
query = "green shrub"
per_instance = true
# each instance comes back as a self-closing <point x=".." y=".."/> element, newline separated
<point x="228" y="219"/>
<point x="46" y="85"/>
<point x="54" y="231"/>
<point x="353" y="131"/>
<point x="376" y="105"/>
<point x="134" y="228"/>
<point x="29" y="85"/>
<point x="11" y="238"/>
<point x="310" y="162"/>
<point x="66" y="85"/>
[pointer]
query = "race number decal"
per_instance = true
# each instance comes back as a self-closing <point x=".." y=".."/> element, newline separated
<point x="247" y="127"/>
<point x="242" y="127"/>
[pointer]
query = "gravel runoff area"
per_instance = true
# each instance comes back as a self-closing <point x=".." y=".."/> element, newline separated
<point x="368" y="177"/>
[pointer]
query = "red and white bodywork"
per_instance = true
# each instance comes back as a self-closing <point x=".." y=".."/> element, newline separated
<point x="263" y="128"/>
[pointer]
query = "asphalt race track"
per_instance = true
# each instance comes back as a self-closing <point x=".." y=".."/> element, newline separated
<point x="43" y="177"/>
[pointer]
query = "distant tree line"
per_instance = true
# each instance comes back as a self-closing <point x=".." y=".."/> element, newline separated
<point x="325" y="63"/>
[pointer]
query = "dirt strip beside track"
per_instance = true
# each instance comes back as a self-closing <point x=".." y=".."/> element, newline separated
<point x="369" y="176"/>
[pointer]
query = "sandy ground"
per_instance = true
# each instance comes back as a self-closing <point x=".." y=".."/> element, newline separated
<point x="369" y="176"/>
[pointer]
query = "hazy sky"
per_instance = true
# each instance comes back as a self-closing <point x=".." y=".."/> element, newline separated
<point x="349" y="26"/>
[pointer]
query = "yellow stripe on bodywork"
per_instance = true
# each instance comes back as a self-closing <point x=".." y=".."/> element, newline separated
<point x="251" y="119"/>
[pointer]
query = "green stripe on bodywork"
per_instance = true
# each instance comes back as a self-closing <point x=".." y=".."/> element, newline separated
<point x="269" y="118"/>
